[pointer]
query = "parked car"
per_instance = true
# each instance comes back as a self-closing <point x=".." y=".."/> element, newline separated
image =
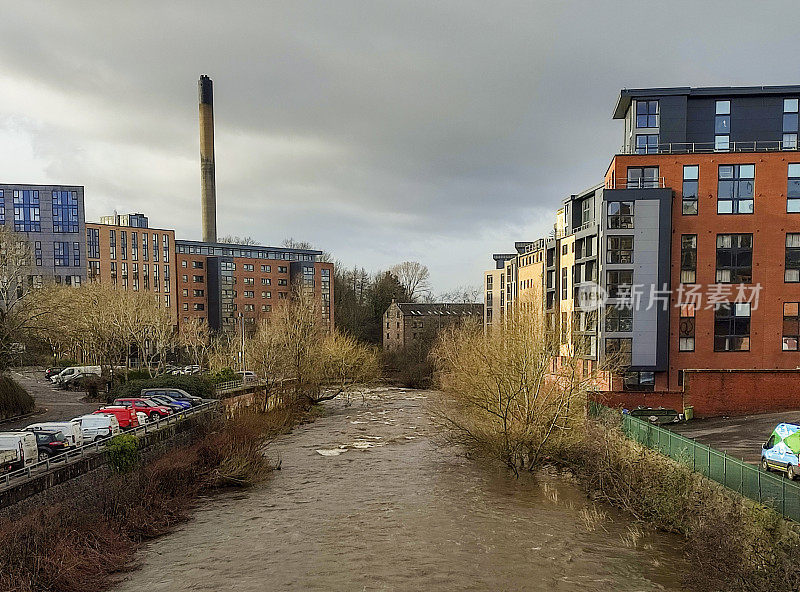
<point x="23" y="445"/>
<point x="69" y="371"/>
<point x="173" y="393"/>
<point x="50" y="372"/>
<point x="153" y="410"/>
<point x="193" y="369"/>
<point x="141" y="418"/>
<point x="780" y="452"/>
<point x="71" y="430"/>
<point x="50" y="443"/>
<point x="247" y="375"/>
<point x="78" y="381"/>
<point x="97" y="427"/>
<point x="174" y="404"/>
<point x="126" y="416"/>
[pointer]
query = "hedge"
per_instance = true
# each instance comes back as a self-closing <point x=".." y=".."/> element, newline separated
<point x="14" y="400"/>
<point x="199" y="386"/>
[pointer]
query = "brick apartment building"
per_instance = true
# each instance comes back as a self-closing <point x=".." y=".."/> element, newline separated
<point x="221" y="283"/>
<point x="405" y="323"/>
<point x="124" y="252"/>
<point x="698" y="221"/>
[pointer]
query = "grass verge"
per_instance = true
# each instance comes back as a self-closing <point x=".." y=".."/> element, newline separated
<point x="83" y="544"/>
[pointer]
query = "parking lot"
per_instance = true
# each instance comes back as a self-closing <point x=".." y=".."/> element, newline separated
<point x="740" y="437"/>
<point x="55" y="404"/>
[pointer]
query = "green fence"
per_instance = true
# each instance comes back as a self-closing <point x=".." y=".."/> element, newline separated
<point x="770" y="489"/>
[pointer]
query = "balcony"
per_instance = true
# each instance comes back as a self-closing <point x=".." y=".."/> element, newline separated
<point x="710" y="147"/>
<point x="625" y="183"/>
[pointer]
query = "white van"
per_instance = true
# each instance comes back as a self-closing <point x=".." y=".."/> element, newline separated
<point x="23" y="444"/>
<point x="72" y="370"/>
<point x="98" y="426"/>
<point x="71" y="430"/>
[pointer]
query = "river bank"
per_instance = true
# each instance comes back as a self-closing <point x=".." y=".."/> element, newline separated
<point x="366" y="500"/>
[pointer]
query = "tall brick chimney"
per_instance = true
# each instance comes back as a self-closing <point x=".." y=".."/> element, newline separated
<point x="208" y="195"/>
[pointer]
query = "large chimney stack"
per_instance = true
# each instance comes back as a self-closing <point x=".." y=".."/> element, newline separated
<point x="205" y="92"/>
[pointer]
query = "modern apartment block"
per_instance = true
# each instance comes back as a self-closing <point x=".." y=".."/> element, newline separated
<point x="694" y="238"/>
<point x="406" y="322"/>
<point x="124" y="252"/>
<point x="222" y="283"/>
<point x="52" y="219"/>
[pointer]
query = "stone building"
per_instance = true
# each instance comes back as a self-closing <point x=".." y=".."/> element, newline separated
<point x="405" y="323"/>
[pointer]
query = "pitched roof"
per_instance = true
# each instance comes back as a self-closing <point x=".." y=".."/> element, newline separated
<point x="441" y="309"/>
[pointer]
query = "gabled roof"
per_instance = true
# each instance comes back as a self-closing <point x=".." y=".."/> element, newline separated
<point x="444" y="309"/>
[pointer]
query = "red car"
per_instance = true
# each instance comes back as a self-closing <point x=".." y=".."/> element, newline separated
<point x="126" y="416"/>
<point x="146" y="406"/>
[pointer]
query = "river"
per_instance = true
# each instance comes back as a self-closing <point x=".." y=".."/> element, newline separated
<point x="367" y="501"/>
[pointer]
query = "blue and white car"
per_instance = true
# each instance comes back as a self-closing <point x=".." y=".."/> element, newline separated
<point x="780" y="452"/>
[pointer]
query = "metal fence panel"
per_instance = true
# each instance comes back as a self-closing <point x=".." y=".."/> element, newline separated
<point x="770" y="489"/>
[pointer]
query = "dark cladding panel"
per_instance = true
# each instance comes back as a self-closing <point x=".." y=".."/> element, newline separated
<point x="214" y="293"/>
<point x="672" y="119"/>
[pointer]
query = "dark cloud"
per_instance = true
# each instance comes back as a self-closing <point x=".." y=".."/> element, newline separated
<point x="438" y="131"/>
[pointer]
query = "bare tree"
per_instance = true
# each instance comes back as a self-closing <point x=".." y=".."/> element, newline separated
<point x="21" y="305"/>
<point x="230" y="239"/>
<point x="291" y="243"/>
<point x="463" y="295"/>
<point x="414" y="277"/>
<point x="503" y="395"/>
<point x="195" y="337"/>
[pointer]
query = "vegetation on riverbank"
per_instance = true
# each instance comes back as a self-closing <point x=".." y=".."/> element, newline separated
<point x="14" y="400"/>
<point x="83" y="543"/>
<point x="501" y="400"/>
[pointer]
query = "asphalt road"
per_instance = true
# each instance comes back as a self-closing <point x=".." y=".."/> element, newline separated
<point x="52" y="403"/>
<point x="740" y="437"/>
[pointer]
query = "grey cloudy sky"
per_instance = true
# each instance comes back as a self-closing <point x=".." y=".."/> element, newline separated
<point x="379" y="131"/>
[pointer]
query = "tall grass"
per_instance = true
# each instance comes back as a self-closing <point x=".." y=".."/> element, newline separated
<point x="83" y="544"/>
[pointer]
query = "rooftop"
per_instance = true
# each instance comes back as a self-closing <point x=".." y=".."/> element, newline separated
<point x="441" y="309"/>
<point x="626" y="94"/>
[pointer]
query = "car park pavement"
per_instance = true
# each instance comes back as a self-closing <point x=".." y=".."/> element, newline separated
<point x="52" y="403"/>
<point x="741" y="437"/>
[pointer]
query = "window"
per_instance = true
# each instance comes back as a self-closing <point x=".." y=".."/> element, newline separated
<point x="722" y="126"/>
<point x="642" y="178"/>
<point x="184" y="277"/>
<point x="587" y="207"/>
<point x="646" y="114"/>
<point x="789" y="124"/>
<point x="38" y="252"/>
<point x="735" y="188"/>
<point x="197" y="293"/>
<point x="61" y="254"/>
<point x="65" y="211"/>
<point x="249" y="294"/>
<point x="185" y="306"/>
<point x="197" y="265"/>
<point x="564" y="283"/>
<point x="618" y="283"/>
<point x="793" y="189"/>
<point x="155" y="247"/>
<point x="112" y="244"/>
<point x="686" y="328"/>
<point x="619" y="319"/>
<point x="266" y="268"/>
<point x="282" y="283"/>
<point x="266" y="294"/>
<point x="620" y="249"/>
<point x="283" y="269"/>
<point x="249" y="307"/>
<point x="266" y="308"/>
<point x="2" y="208"/>
<point x="248" y="281"/>
<point x="266" y="282"/>
<point x="619" y="350"/>
<point x="184" y="263"/>
<point x="690" y="189"/>
<point x="123" y="243"/>
<point x="248" y="267"/>
<point x="688" y="258"/>
<point x="734" y="258"/>
<point x="26" y="211"/>
<point x="199" y="306"/>
<point x="185" y="292"/>
<point x="646" y="143"/>
<point x="732" y="326"/>
<point x="76" y="254"/>
<point x="198" y="279"/>
<point x="93" y="243"/>
<point x="791" y="326"/>
<point x="144" y="246"/>
<point x="564" y="249"/>
<point x="639" y="381"/>
<point x="620" y="214"/>
<point x="792" y="270"/>
<point x="94" y="270"/>
<point x="165" y="247"/>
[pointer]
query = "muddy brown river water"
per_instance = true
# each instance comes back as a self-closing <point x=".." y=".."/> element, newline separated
<point x="367" y="501"/>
